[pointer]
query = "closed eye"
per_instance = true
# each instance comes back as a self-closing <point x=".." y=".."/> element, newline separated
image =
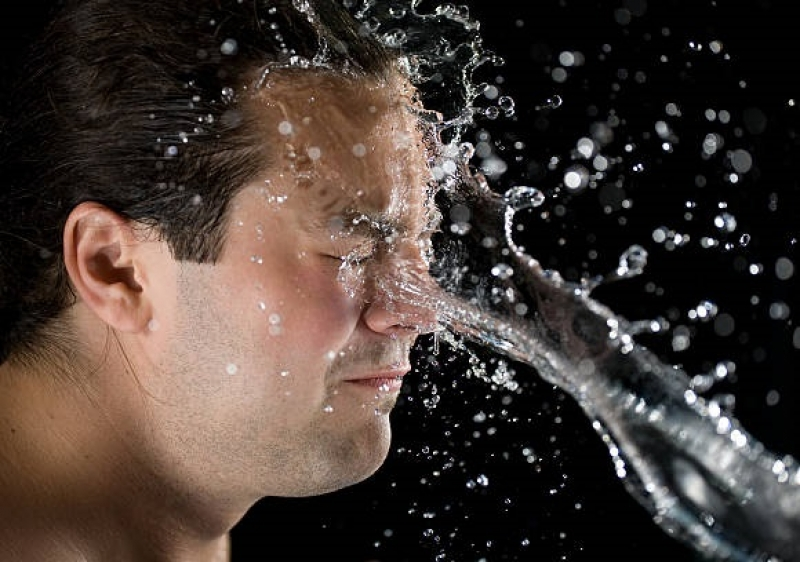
<point x="354" y="255"/>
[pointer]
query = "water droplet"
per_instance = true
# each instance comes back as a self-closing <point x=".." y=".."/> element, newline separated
<point x="466" y="150"/>
<point x="724" y="325"/>
<point x="460" y="213"/>
<point x="523" y="197"/>
<point x="506" y="104"/>
<point x="231" y="368"/>
<point x="586" y="147"/>
<point x="553" y="102"/>
<point x="502" y="271"/>
<point x="397" y="12"/>
<point x="275" y="327"/>
<point x="632" y="262"/>
<point x="395" y="38"/>
<point x="779" y="311"/>
<point x="704" y="311"/>
<point x="229" y="47"/>
<point x="460" y="228"/>
<point x="725" y="222"/>
<point x="227" y="94"/>
<point x="741" y="161"/>
<point x="285" y="128"/>
<point x="491" y="112"/>
<point x="576" y="177"/>
<point x="784" y="268"/>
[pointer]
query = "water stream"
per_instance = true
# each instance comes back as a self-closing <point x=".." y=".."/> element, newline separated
<point x="703" y="478"/>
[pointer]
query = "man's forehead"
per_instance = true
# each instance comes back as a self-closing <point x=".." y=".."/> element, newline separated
<point x="356" y="150"/>
<point x="357" y="97"/>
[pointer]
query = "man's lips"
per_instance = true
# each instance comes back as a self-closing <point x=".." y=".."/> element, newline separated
<point x="381" y="381"/>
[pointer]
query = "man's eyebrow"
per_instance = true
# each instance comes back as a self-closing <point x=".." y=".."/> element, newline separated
<point x="360" y="223"/>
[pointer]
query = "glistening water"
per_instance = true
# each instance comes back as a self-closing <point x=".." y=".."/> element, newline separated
<point x="704" y="479"/>
<point x="641" y="125"/>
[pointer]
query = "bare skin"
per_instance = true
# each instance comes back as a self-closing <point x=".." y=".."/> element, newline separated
<point x="193" y="390"/>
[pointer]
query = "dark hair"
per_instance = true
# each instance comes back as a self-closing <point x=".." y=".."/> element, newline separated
<point x="139" y="105"/>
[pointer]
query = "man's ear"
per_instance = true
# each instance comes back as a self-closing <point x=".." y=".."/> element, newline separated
<point x="100" y="254"/>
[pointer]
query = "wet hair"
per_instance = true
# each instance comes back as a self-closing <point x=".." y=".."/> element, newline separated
<point x="140" y="105"/>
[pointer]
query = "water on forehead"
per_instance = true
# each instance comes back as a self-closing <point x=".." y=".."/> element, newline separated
<point x="344" y="144"/>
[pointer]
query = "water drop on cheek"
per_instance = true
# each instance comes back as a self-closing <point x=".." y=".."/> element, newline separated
<point x="285" y="128"/>
<point x="275" y="324"/>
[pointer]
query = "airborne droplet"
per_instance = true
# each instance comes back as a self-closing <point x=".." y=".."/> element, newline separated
<point x="632" y="262"/>
<point x="523" y="197"/>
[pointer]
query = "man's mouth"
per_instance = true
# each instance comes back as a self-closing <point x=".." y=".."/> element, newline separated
<point x="381" y="381"/>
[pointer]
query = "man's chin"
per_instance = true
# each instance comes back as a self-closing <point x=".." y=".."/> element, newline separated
<point x="385" y="405"/>
<point x="355" y="474"/>
<point x="354" y="455"/>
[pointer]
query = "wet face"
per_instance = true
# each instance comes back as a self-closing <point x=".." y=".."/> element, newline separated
<point x="289" y="352"/>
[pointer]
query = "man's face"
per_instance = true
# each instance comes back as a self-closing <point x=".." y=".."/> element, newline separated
<point x="287" y="354"/>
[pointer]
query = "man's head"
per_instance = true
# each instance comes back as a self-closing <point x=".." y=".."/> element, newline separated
<point x="143" y="107"/>
<point x="308" y="348"/>
<point x="212" y="195"/>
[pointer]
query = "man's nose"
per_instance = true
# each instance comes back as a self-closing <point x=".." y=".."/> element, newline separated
<point x="396" y="303"/>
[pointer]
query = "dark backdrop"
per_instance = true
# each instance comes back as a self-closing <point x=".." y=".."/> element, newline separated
<point x="481" y="473"/>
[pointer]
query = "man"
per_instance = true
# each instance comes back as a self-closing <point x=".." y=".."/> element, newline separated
<point x="203" y="206"/>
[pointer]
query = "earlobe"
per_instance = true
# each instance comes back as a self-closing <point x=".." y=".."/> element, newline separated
<point x="100" y="257"/>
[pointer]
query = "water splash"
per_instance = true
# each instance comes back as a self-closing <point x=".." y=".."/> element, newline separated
<point x="443" y="48"/>
<point x="702" y="477"/>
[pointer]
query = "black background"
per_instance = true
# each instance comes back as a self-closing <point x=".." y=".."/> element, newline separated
<point x="481" y="473"/>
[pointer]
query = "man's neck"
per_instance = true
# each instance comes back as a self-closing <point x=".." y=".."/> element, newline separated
<point x="43" y="545"/>
<point x="72" y="487"/>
